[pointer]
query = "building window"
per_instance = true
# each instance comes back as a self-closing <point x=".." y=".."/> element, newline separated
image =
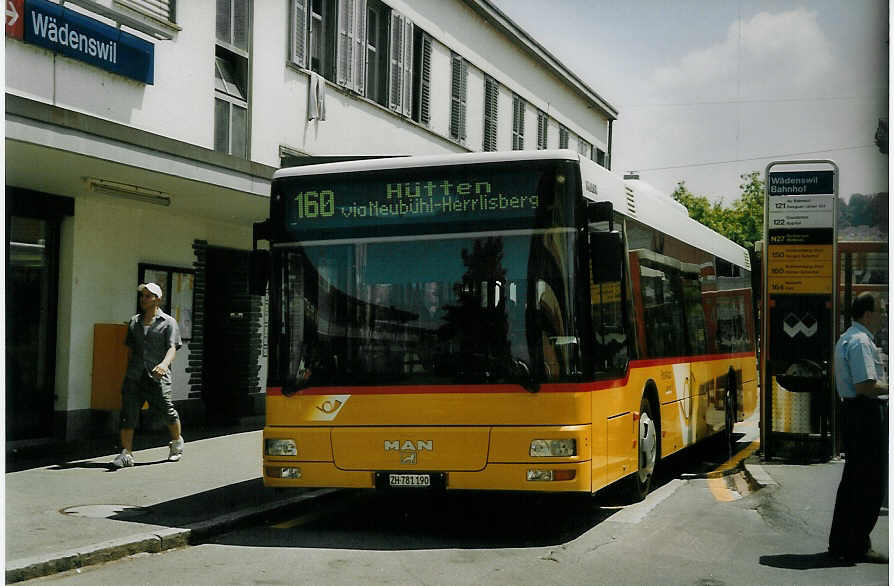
<point x="518" y="123"/>
<point x="233" y="23"/>
<point x="583" y="147"/>
<point x="377" y="19"/>
<point x="600" y="156"/>
<point x="313" y="36"/>
<point x="321" y="38"/>
<point x="231" y="76"/>
<point x="541" y="129"/>
<point x="458" y="91"/>
<point x="491" y="101"/>
<point x="422" y="47"/>
<point x="563" y="137"/>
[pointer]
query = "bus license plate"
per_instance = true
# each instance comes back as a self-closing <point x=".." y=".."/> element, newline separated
<point x="409" y="480"/>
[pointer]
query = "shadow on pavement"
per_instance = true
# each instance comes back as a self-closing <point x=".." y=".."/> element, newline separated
<point x="804" y="561"/>
<point x="400" y="521"/>
<point x="202" y="506"/>
<point x="25" y="456"/>
<point x="101" y="465"/>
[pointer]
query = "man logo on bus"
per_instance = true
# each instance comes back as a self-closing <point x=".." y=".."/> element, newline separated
<point x="408" y="446"/>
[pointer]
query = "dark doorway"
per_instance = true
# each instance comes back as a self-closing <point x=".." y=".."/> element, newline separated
<point x="231" y="337"/>
<point x="32" y="273"/>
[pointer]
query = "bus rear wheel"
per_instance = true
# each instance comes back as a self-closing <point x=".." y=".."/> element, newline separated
<point x="647" y="452"/>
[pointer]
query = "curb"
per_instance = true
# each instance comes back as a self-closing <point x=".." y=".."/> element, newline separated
<point x="152" y="542"/>
<point x="758" y="477"/>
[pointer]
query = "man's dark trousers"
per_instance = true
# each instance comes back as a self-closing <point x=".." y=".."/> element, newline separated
<point x="863" y="484"/>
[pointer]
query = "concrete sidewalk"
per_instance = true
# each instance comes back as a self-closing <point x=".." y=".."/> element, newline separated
<point x="79" y="513"/>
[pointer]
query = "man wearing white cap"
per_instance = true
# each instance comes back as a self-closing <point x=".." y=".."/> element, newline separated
<point x="154" y="338"/>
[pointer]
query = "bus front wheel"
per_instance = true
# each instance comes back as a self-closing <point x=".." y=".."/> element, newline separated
<point x="647" y="452"/>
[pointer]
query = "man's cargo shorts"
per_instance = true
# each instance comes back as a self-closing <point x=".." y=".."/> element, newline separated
<point x="156" y="392"/>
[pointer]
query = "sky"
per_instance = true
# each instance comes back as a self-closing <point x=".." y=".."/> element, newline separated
<point x="707" y="90"/>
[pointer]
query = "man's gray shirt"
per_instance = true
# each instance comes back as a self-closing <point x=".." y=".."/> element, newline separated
<point x="149" y="349"/>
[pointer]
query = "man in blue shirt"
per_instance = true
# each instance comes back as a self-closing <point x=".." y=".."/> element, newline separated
<point x="154" y="338"/>
<point x="861" y="380"/>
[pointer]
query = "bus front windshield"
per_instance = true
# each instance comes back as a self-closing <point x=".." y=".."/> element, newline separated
<point x="489" y="307"/>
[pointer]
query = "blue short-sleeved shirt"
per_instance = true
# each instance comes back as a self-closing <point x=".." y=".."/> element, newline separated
<point x="149" y="349"/>
<point x="857" y="360"/>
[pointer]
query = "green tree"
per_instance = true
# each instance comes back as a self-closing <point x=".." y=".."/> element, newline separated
<point x="742" y="223"/>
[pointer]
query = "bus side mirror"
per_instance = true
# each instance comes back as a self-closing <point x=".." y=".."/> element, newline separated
<point x="259" y="272"/>
<point x="607" y="256"/>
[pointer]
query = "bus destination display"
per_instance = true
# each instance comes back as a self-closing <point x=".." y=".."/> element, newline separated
<point x="319" y="203"/>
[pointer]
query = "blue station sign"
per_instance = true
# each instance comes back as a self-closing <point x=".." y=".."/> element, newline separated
<point x="77" y="36"/>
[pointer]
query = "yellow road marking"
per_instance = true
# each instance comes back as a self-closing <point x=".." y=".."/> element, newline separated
<point x="716" y="481"/>
<point x="303" y="519"/>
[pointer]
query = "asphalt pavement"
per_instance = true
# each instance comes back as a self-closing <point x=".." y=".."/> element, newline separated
<point x="78" y="511"/>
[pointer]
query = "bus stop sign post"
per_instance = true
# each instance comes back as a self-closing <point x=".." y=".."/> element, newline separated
<point x="798" y="308"/>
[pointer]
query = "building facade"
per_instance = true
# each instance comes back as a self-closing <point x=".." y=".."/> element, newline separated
<point x="141" y="137"/>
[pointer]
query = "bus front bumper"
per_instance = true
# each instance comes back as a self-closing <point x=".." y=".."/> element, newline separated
<point x="542" y="477"/>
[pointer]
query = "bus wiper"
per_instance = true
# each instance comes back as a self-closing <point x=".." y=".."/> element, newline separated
<point x="522" y="374"/>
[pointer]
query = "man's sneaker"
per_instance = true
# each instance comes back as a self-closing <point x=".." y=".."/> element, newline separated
<point x="176" y="450"/>
<point x="123" y="460"/>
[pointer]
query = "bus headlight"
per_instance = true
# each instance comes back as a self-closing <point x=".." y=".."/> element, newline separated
<point x="280" y="447"/>
<point x="543" y="448"/>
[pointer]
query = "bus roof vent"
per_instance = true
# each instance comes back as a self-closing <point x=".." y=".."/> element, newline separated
<point x="631" y="200"/>
<point x="747" y="261"/>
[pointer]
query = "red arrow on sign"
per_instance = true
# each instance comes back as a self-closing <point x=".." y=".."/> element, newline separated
<point x="15" y="24"/>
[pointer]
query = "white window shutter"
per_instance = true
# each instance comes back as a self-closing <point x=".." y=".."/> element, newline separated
<point x="299" y="32"/>
<point x="360" y="46"/>
<point x="465" y="94"/>
<point x="407" y="76"/>
<point x="395" y="66"/>
<point x="344" y="64"/>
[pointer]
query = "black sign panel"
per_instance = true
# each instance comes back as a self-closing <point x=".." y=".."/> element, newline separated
<point x="801" y="183"/>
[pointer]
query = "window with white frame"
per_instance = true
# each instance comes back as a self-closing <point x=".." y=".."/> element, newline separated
<point x="459" y="81"/>
<point x="422" y="49"/>
<point x="563" y="137"/>
<point x="542" y="126"/>
<point x="231" y="62"/>
<point x="314" y="36"/>
<point x="583" y="147"/>
<point x="362" y="45"/>
<point x="491" y="101"/>
<point x="600" y="156"/>
<point x="518" y="123"/>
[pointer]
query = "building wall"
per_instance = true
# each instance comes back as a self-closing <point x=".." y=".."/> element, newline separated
<point x="103" y="243"/>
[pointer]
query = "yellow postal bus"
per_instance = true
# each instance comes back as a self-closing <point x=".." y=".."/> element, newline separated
<point x="500" y="321"/>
